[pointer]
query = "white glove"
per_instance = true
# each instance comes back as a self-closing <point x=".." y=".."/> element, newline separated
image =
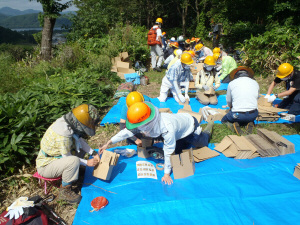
<point x="267" y="96"/>
<point x="181" y="98"/>
<point x="187" y="97"/>
<point x="215" y="88"/>
<point x="271" y="98"/>
<point x="15" y="210"/>
<point x="205" y="87"/>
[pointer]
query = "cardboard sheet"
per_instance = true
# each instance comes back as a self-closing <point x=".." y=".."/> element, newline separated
<point x="222" y="191"/>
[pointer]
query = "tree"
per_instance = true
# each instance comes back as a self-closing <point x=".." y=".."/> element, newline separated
<point x="51" y="10"/>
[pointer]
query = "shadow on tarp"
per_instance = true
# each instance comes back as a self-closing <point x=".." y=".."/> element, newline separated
<point x="114" y="115"/>
<point x="222" y="191"/>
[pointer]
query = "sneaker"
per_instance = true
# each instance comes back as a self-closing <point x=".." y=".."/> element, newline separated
<point x="249" y="128"/>
<point x="158" y="69"/>
<point x="237" y="128"/>
<point x="67" y="194"/>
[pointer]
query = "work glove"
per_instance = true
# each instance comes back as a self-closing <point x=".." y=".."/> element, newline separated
<point x="15" y="210"/>
<point x="267" y="96"/>
<point x="271" y="98"/>
<point x="215" y="88"/>
<point x="205" y="87"/>
<point x="181" y="98"/>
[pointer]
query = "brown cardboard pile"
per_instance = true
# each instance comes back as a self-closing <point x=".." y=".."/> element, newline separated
<point x="210" y="114"/>
<point x="122" y="65"/>
<point x="188" y="109"/>
<point x="297" y="171"/>
<point x="266" y="112"/>
<point x="265" y="144"/>
<point x="183" y="165"/>
<point x="105" y="167"/>
<point x="204" y="153"/>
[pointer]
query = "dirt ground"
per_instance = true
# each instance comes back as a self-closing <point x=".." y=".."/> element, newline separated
<point x="23" y="184"/>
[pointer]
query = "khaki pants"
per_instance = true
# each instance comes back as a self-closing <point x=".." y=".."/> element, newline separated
<point x="206" y="99"/>
<point x="67" y="167"/>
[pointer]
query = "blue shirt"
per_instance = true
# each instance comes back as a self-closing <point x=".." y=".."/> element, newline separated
<point x="178" y="73"/>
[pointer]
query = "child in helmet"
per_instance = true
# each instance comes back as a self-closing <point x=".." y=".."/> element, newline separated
<point x="178" y="131"/>
<point x="204" y="82"/>
<point x="132" y="98"/>
<point x="55" y="158"/>
<point x="179" y="72"/>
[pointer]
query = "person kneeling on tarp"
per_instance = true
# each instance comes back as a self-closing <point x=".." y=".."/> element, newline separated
<point x="204" y="82"/>
<point x="242" y="96"/>
<point x="132" y="97"/>
<point x="55" y="158"/>
<point x="287" y="73"/>
<point x="179" y="72"/>
<point x="228" y="64"/>
<point x="177" y="130"/>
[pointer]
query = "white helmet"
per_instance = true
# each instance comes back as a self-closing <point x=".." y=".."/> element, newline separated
<point x="180" y="38"/>
<point x="173" y="39"/>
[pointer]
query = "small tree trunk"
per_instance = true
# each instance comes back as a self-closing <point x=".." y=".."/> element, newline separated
<point x="47" y="33"/>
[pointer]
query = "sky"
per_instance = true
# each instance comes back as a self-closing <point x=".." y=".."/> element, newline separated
<point x="26" y="4"/>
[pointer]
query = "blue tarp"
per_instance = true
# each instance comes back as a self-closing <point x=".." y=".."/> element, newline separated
<point x="222" y="191"/>
<point x="114" y="115"/>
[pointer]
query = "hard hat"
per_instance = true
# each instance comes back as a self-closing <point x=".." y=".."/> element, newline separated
<point x="159" y="20"/>
<point x="198" y="47"/>
<point x="88" y="116"/>
<point x="180" y="38"/>
<point x="173" y="39"/>
<point x="193" y="39"/>
<point x="241" y="68"/>
<point x="188" y="41"/>
<point x="216" y="50"/>
<point x="134" y="97"/>
<point x="177" y="52"/>
<point x="193" y="54"/>
<point x="175" y="44"/>
<point x="186" y="58"/>
<point x="164" y="33"/>
<point x="99" y="203"/>
<point x="197" y="39"/>
<point x="210" y="61"/>
<point x="216" y="56"/>
<point x="139" y="114"/>
<point x="284" y="70"/>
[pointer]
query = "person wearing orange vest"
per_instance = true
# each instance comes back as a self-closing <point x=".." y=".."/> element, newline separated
<point x="287" y="73"/>
<point x="156" y="46"/>
<point x="178" y="131"/>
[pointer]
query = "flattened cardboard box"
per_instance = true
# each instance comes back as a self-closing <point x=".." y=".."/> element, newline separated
<point x="297" y="171"/>
<point x="183" y="165"/>
<point x="142" y="151"/>
<point x="165" y="110"/>
<point x="105" y="167"/>
<point x="264" y="101"/>
<point x="204" y="153"/>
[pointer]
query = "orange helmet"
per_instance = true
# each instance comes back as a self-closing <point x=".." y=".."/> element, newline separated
<point x="188" y="41"/>
<point x="175" y="44"/>
<point x="197" y="40"/>
<point x="164" y="33"/>
<point x="193" y="39"/>
<point x="134" y="97"/>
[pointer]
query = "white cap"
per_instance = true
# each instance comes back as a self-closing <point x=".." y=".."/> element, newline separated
<point x="173" y="39"/>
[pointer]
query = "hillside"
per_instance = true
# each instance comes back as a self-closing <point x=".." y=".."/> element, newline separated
<point x="28" y="21"/>
<point x="12" y="37"/>
<point x="14" y="12"/>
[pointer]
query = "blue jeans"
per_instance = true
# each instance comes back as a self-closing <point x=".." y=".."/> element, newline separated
<point x="292" y="103"/>
<point x="241" y="117"/>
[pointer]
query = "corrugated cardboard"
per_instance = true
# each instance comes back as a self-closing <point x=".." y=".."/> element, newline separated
<point x="165" y="110"/>
<point x="297" y="171"/>
<point x="142" y="151"/>
<point x="115" y="60"/>
<point x="204" y="153"/>
<point x="192" y="85"/>
<point x="264" y="101"/>
<point x="183" y="164"/>
<point x="121" y="75"/>
<point x="124" y="56"/>
<point x="231" y="151"/>
<point x="107" y="162"/>
<point x="194" y="114"/>
<point x="114" y="69"/>
<point x="224" y="144"/>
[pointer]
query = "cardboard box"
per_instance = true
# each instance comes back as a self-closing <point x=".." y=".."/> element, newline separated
<point x="204" y="153"/>
<point x="124" y="56"/>
<point x="114" y="69"/>
<point x="142" y="152"/>
<point x="165" y="110"/>
<point x="115" y="60"/>
<point x="264" y="102"/>
<point x="297" y="171"/>
<point x="183" y="164"/>
<point x="121" y="75"/>
<point x="105" y="167"/>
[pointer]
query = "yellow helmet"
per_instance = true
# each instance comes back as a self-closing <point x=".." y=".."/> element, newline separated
<point x="284" y="70"/>
<point x="198" y="47"/>
<point x="186" y="58"/>
<point x="159" y="20"/>
<point x="216" y="56"/>
<point x="216" y="50"/>
<point x="210" y="61"/>
<point x="134" y="97"/>
<point x="193" y="54"/>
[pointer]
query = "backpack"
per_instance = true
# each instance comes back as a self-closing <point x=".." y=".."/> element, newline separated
<point x="152" y="37"/>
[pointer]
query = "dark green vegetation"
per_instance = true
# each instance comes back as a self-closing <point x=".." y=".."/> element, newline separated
<point x="33" y="92"/>
<point x="13" y="37"/>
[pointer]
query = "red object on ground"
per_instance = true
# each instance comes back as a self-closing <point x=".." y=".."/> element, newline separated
<point x="99" y="203"/>
<point x="50" y="181"/>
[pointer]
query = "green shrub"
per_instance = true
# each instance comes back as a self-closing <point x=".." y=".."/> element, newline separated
<point x="279" y="44"/>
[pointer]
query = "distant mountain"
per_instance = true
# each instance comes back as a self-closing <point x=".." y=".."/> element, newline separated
<point x="29" y="21"/>
<point x="14" y="12"/>
<point x="2" y="16"/>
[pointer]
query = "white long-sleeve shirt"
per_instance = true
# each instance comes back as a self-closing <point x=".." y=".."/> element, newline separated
<point x="242" y="94"/>
<point x="173" y="127"/>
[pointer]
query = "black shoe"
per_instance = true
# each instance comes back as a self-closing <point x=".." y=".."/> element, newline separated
<point x="237" y="128"/>
<point x="158" y="69"/>
<point x="250" y="127"/>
